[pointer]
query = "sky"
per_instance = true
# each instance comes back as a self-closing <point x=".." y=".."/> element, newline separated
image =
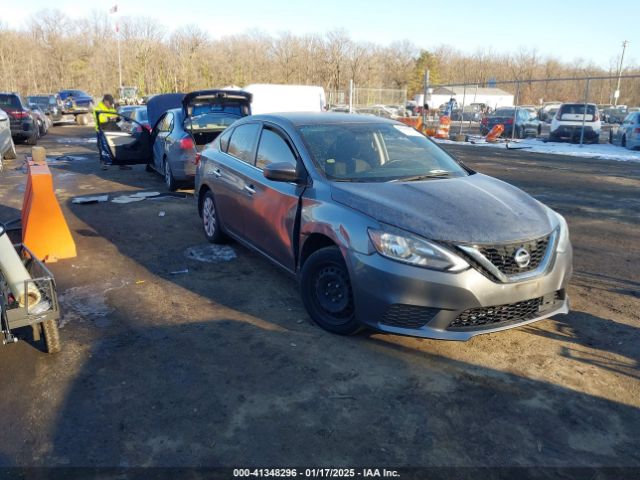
<point x="565" y="29"/>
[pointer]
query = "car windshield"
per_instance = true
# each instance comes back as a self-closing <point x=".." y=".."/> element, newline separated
<point x="577" y="109"/>
<point x="140" y="115"/>
<point x="39" y="100"/>
<point x="376" y="152"/>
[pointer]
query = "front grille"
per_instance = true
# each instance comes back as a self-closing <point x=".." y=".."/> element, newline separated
<point x="499" y="314"/>
<point x="408" y="316"/>
<point x="502" y="256"/>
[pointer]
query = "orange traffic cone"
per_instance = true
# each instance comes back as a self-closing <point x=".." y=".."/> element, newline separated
<point x="494" y="133"/>
<point x="44" y="228"/>
<point x="443" y="127"/>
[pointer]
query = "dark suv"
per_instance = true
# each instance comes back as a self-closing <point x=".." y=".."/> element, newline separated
<point x="51" y="105"/>
<point x="23" y="125"/>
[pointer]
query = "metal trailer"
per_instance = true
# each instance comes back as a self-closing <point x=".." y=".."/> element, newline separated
<point x="43" y="316"/>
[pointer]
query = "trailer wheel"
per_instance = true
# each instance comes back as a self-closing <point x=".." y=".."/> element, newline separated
<point x="51" y="336"/>
<point x="82" y="119"/>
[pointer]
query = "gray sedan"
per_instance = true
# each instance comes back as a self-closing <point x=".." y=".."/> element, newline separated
<point x="628" y="133"/>
<point x="182" y="126"/>
<point x="7" y="148"/>
<point x="382" y="227"/>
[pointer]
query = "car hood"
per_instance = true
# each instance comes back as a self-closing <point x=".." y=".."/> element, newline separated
<point x="469" y="210"/>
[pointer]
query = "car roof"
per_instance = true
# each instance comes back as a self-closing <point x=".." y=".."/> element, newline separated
<point x="318" y="118"/>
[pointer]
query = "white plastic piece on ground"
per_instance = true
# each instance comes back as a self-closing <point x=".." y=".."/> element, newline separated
<point x="94" y="199"/>
<point x="211" y="253"/>
<point x="16" y="275"/>
<point x="145" y="194"/>
<point x="126" y="199"/>
<point x="162" y="213"/>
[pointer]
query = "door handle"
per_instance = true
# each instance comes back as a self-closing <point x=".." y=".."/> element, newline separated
<point x="217" y="173"/>
<point x="249" y="189"/>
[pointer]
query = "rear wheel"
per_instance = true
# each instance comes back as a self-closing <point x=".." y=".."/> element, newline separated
<point x="210" y="219"/>
<point x="169" y="181"/>
<point x="33" y="139"/>
<point x="326" y="292"/>
<point x="624" y="141"/>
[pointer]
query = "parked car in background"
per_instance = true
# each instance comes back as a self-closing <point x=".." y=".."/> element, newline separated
<point x="544" y="113"/>
<point x="572" y="118"/>
<point x="614" y="115"/>
<point x="182" y="126"/>
<point x="135" y="119"/>
<point x="51" y="105"/>
<point x="518" y="122"/>
<point x="41" y="119"/>
<point x="382" y="227"/>
<point x="469" y="113"/>
<point x="24" y="127"/>
<point x="628" y="133"/>
<point x="78" y="104"/>
<point x="7" y="147"/>
<point x="551" y="113"/>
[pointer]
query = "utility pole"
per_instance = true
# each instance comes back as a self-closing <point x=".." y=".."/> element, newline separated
<point x="616" y="94"/>
<point x="114" y="10"/>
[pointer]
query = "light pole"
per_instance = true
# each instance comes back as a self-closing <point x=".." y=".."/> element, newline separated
<point x="114" y="10"/>
<point x="616" y="94"/>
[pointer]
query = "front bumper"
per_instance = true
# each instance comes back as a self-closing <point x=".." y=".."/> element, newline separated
<point x="388" y="294"/>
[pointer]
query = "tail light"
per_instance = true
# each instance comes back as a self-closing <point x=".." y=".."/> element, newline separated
<point x="186" y="143"/>
<point x="147" y="128"/>
<point x="509" y="121"/>
<point x="198" y="158"/>
<point x="18" y="114"/>
<point x="636" y="130"/>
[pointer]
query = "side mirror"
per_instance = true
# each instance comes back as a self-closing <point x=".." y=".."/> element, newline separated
<point x="281" y="172"/>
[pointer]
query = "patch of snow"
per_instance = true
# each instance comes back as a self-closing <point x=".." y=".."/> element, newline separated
<point x="604" y="151"/>
<point x="70" y="140"/>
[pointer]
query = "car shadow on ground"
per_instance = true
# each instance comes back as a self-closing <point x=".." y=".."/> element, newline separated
<point x="246" y="395"/>
<point x="259" y="388"/>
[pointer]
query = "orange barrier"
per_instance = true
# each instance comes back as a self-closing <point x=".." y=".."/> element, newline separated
<point x="494" y="133"/>
<point x="44" y="228"/>
<point x="443" y="127"/>
<point x="415" y="122"/>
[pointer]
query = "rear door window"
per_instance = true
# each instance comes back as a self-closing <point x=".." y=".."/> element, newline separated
<point x="243" y="142"/>
<point x="273" y="148"/>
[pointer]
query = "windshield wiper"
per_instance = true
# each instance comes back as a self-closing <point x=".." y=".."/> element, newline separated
<point x="415" y="178"/>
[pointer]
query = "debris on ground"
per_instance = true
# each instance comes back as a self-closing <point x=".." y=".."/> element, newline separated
<point x="211" y="253"/>
<point x="179" y="272"/>
<point x="92" y="199"/>
<point x="126" y="199"/>
<point x="165" y="195"/>
<point x="161" y="213"/>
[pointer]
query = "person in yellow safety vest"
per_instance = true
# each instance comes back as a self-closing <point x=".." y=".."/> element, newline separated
<point x="105" y="117"/>
<point x="106" y="105"/>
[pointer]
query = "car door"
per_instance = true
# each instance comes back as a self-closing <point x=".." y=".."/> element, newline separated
<point x="122" y="147"/>
<point x="160" y="135"/>
<point x="5" y="133"/>
<point x="231" y="177"/>
<point x="270" y="214"/>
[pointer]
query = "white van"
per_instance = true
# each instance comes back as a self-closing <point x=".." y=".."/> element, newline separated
<point x="269" y="98"/>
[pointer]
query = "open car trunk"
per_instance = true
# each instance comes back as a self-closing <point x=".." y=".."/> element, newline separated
<point x="209" y="112"/>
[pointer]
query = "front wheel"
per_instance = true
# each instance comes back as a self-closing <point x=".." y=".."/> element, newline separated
<point x="326" y="292"/>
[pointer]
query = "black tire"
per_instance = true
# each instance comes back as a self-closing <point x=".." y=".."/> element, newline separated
<point x="610" y="136"/>
<point x="169" y="181"/>
<point x="149" y="168"/>
<point x="11" y="154"/>
<point x="211" y="219"/>
<point x="51" y="335"/>
<point x="33" y="139"/>
<point x="624" y="141"/>
<point x="326" y="292"/>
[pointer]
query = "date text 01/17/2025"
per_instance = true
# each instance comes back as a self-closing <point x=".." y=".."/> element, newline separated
<point x="315" y="473"/>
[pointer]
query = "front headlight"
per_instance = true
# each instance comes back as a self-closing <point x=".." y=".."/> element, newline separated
<point x="407" y="248"/>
